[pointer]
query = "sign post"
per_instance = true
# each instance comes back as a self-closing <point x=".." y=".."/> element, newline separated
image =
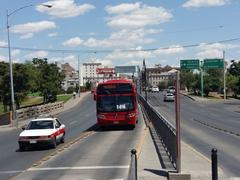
<point x="224" y="76"/>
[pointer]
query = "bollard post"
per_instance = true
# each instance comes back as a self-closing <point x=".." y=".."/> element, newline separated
<point x="134" y="153"/>
<point x="214" y="165"/>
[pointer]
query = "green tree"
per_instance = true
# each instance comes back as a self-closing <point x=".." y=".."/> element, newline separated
<point x="187" y="78"/>
<point x="20" y="84"/>
<point x="234" y="70"/>
<point x="231" y="82"/>
<point x="49" y="80"/>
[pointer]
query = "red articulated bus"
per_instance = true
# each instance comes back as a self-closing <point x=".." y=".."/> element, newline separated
<point x="116" y="102"/>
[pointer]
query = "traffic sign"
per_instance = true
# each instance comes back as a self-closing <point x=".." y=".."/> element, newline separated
<point x="125" y="69"/>
<point x="213" y="63"/>
<point x="189" y="64"/>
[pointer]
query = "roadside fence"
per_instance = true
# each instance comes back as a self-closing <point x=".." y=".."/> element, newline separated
<point x="165" y="131"/>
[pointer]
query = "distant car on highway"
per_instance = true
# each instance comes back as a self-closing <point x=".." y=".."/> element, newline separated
<point x="155" y="89"/>
<point x="171" y="89"/>
<point x="168" y="97"/>
<point x="42" y="131"/>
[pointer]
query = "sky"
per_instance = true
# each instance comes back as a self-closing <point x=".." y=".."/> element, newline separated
<point x="120" y="32"/>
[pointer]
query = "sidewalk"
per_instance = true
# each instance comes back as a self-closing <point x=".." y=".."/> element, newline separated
<point x="149" y="167"/>
<point x="68" y="105"/>
<point x="194" y="165"/>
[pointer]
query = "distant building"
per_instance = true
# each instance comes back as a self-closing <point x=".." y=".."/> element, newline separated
<point x="71" y="76"/>
<point x="160" y="74"/>
<point x="96" y="72"/>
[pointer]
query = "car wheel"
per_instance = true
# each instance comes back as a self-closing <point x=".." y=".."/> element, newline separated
<point x="22" y="147"/>
<point x="63" y="138"/>
<point x="54" y="143"/>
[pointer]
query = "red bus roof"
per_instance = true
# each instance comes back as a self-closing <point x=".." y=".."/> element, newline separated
<point x="118" y="81"/>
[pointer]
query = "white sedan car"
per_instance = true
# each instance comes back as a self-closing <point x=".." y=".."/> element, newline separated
<point x="155" y="89"/>
<point x="42" y="131"/>
<point x="168" y="97"/>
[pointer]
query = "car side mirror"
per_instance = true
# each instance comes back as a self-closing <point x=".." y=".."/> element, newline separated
<point x="24" y="127"/>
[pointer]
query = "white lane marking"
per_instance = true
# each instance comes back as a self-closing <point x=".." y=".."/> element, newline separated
<point x="73" y="122"/>
<point x="77" y="168"/>
<point x="11" y="172"/>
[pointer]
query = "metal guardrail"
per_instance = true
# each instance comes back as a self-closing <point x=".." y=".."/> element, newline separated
<point x="34" y="111"/>
<point x="132" y="173"/>
<point x="164" y="129"/>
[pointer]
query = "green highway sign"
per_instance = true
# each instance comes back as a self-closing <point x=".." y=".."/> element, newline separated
<point x="189" y="64"/>
<point x="213" y="63"/>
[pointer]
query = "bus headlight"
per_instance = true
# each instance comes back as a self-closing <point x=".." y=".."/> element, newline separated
<point x="101" y="116"/>
<point x="130" y="115"/>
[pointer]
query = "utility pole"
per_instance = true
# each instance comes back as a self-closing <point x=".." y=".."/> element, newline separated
<point x="145" y="78"/>
<point x="177" y="114"/>
<point x="201" y="69"/>
<point x="224" y="76"/>
<point x="79" y="77"/>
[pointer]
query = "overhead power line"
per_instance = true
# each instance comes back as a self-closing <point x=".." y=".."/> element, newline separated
<point x="120" y="50"/>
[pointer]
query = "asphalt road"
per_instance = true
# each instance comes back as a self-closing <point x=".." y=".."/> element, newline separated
<point x="12" y="162"/>
<point x="100" y="155"/>
<point x="206" y="125"/>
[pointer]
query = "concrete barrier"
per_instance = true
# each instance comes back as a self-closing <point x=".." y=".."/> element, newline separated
<point x="5" y="119"/>
<point x="30" y="112"/>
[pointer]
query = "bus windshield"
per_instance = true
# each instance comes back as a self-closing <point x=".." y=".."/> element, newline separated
<point x="115" y="103"/>
<point x="114" y="88"/>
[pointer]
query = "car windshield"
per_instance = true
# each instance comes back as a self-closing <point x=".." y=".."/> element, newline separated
<point x="40" y="125"/>
<point x="115" y="103"/>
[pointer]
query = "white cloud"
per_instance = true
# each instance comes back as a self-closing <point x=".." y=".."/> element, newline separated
<point x="129" y="55"/>
<point x="26" y="36"/>
<point x="210" y="53"/>
<point x="139" y="17"/>
<point x="3" y="58"/>
<point x="52" y="34"/>
<point x="65" y="8"/>
<point x="3" y="43"/>
<point x="29" y="29"/>
<point x="71" y="59"/>
<point x="214" y="50"/>
<point x="105" y="62"/>
<point x="124" y="38"/>
<point x="122" y="8"/>
<point x="37" y="54"/>
<point x="15" y="52"/>
<point x="204" y="3"/>
<point x="220" y="46"/>
<point x="173" y="49"/>
<point x="73" y="42"/>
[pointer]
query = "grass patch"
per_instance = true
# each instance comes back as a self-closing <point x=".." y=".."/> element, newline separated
<point x="35" y="100"/>
<point x="29" y="101"/>
<point x="64" y="97"/>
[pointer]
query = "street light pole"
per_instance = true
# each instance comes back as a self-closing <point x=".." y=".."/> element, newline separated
<point x="79" y="86"/>
<point x="13" y="107"/>
<point x="11" y="72"/>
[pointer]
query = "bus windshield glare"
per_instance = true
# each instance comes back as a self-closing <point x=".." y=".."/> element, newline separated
<point x="115" y="103"/>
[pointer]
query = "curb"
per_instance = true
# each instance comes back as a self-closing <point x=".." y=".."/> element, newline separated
<point x="190" y="97"/>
